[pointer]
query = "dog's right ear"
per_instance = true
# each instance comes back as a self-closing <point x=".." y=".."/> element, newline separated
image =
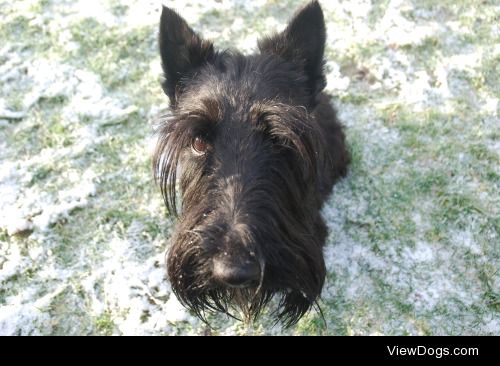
<point x="302" y="42"/>
<point x="182" y="52"/>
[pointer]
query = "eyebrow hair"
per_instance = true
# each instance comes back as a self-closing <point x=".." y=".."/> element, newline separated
<point x="276" y="109"/>
<point x="209" y="109"/>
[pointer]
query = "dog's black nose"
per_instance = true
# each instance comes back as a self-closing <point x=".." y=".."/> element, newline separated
<point x="235" y="274"/>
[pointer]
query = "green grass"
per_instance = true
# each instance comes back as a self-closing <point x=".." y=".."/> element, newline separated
<point x="120" y="58"/>
<point x="104" y="324"/>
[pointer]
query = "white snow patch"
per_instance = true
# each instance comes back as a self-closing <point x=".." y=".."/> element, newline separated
<point x="395" y="29"/>
<point x="8" y="184"/>
<point x="12" y="218"/>
<point x="11" y="261"/>
<point x="415" y="92"/>
<point x="67" y="201"/>
<point x="466" y="240"/>
<point x="434" y="290"/>
<point x="135" y="289"/>
<point x="334" y="79"/>
<point x="49" y="79"/>
<point x="492" y="327"/>
<point x="17" y="224"/>
<point x="174" y="311"/>
<point x="422" y="252"/>
<point x="90" y="101"/>
<point x="20" y="318"/>
<point x="142" y="13"/>
<point x="94" y="9"/>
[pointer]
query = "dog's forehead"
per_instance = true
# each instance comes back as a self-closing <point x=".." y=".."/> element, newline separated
<point x="237" y="81"/>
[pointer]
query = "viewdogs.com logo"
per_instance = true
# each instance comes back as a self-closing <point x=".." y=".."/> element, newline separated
<point x="437" y="352"/>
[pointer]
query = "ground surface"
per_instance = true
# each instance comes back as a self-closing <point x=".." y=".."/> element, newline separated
<point x="414" y="245"/>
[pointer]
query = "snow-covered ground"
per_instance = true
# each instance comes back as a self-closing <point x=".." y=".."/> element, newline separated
<point x="414" y="245"/>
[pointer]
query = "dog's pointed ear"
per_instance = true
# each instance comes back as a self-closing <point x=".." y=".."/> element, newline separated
<point x="302" y="42"/>
<point x="182" y="51"/>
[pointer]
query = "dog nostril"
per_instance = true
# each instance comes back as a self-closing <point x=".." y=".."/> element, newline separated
<point x="236" y="274"/>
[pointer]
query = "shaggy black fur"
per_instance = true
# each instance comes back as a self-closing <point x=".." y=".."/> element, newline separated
<point x="256" y="148"/>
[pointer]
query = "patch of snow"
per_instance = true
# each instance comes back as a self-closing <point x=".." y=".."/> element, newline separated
<point x="94" y="9"/>
<point x="492" y="327"/>
<point x="396" y="29"/>
<point x="68" y="200"/>
<point x="415" y="92"/>
<point x="142" y="13"/>
<point x="49" y="80"/>
<point x="334" y="79"/>
<point x="466" y="240"/>
<point x="17" y="224"/>
<point x="19" y="318"/>
<point x="89" y="101"/>
<point x="422" y="252"/>
<point x="174" y="311"/>
<point x="8" y="184"/>
<point x="11" y="261"/>
<point x="134" y="288"/>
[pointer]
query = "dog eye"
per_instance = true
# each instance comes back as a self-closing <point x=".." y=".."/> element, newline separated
<point x="199" y="145"/>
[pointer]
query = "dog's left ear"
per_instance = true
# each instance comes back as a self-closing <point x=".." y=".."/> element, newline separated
<point x="302" y="42"/>
<point x="182" y="52"/>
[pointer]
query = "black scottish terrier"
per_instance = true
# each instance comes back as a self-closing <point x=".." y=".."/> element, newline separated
<point x="255" y="147"/>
